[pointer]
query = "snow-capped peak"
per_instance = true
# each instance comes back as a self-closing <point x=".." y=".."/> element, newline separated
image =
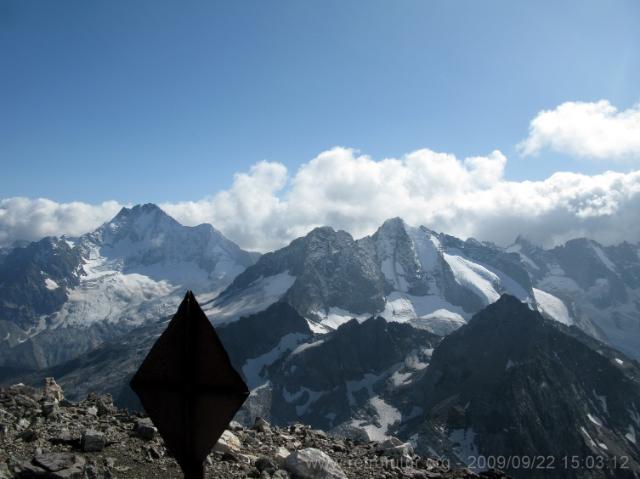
<point x="145" y="235"/>
<point x="407" y="255"/>
<point x="139" y="222"/>
<point x="139" y="264"/>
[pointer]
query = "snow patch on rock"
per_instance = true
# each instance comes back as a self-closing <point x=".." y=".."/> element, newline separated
<point x="385" y="417"/>
<point x="252" y="368"/>
<point x="464" y="444"/>
<point x="50" y="284"/>
<point x="552" y="306"/>
<point x="258" y="296"/>
<point x="475" y="277"/>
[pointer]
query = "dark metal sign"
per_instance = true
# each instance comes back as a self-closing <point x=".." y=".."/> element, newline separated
<point x="189" y="388"/>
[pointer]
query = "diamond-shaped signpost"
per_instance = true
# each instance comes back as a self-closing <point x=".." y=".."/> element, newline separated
<point x="189" y="388"/>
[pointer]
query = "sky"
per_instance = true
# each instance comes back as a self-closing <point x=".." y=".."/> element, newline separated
<point x="222" y="111"/>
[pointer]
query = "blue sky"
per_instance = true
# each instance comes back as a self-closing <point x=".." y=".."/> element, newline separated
<point x="164" y="101"/>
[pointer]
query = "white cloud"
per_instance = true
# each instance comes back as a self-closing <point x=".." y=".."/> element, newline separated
<point x="32" y="219"/>
<point x="249" y="212"/>
<point x="267" y="207"/>
<point x="589" y="130"/>
<point x="354" y="192"/>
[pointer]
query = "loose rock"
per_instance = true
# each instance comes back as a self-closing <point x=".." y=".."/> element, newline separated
<point x="93" y="441"/>
<point x="281" y="455"/>
<point x="228" y="443"/>
<point x="261" y="425"/>
<point x="145" y="429"/>
<point x="56" y="461"/>
<point x="73" y="444"/>
<point x="312" y="463"/>
<point x="52" y="391"/>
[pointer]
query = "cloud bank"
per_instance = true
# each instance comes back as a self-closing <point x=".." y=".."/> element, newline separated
<point x="268" y="206"/>
<point x="596" y="130"/>
<point x="33" y="219"/>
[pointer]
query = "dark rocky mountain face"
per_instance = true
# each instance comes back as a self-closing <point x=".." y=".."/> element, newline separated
<point x="510" y="383"/>
<point x="467" y="274"/>
<point x="393" y="246"/>
<point x="294" y="373"/>
<point x="34" y="281"/>
<point x="330" y="268"/>
<point x="599" y="287"/>
<point x="400" y="273"/>
<point x="56" y="346"/>
<point x="336" y="272"/>
<point x="331" y="381"/>
<point x="411" y="261"/>
<point x="109" y="366"/>
<point x="255" y="335"/>
<point x="626" y="257"/>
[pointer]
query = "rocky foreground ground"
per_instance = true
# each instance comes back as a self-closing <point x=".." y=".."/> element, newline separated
<point x="44" y="435"/>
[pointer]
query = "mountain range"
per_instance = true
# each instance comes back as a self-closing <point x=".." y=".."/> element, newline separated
<point x="63" y="296"/>
<point x="461" y="347"/>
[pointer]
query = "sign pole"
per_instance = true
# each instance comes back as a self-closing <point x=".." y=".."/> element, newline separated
<point x="194" y="470"/>
<point x="189" y="388"/>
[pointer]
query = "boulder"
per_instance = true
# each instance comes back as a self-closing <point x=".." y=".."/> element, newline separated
<point x="312" y="463"/>
<point x="29" y="435"/>
<point x="57" y="461"/>
<point x="235" y="426"/>
<point x="388" y="443"/>
<point x="22" y="424"/>
<point x="281" y="455"/>
<point x="266" y="464"/>
<point x="395" y="448"/>
<point x="105" y="406"/>
<point x="228" y="443"/>
<point x="93" y="441"/>
<point x="49" y="408"/>
<point x="261" y="425"/>
<point x="61" y="436"/>
<point x="145" y="429"/>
